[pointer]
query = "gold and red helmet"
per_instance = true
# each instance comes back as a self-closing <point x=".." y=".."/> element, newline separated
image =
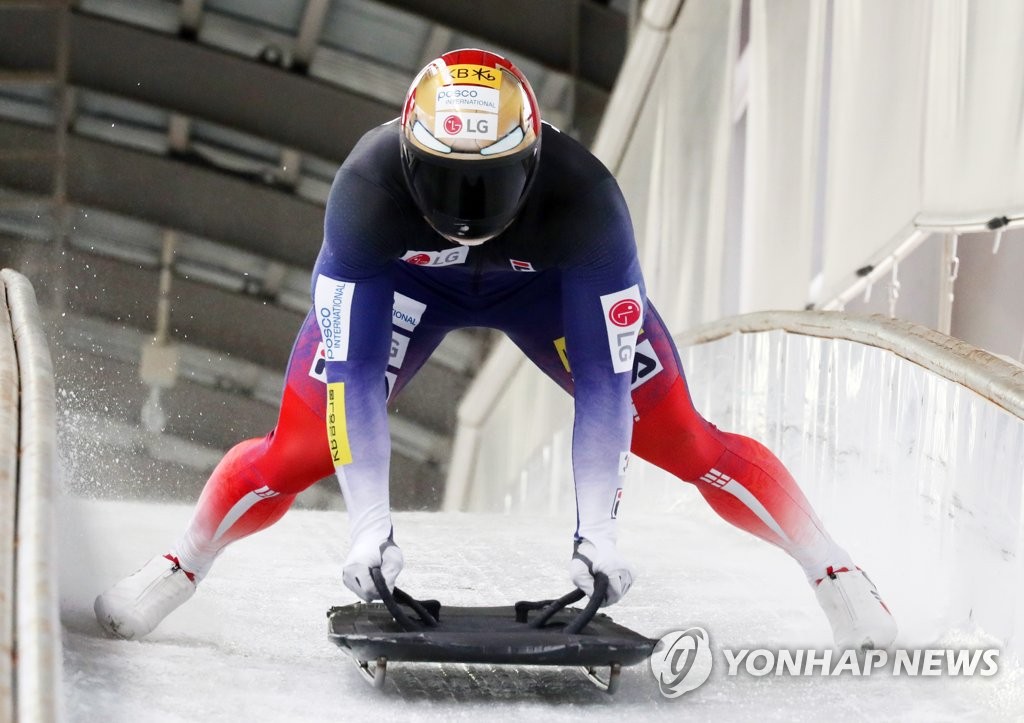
<point x="470" y="139"/>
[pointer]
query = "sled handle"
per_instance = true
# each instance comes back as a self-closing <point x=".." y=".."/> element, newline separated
<point x="548" y="608"/>
<point x="394" y="601"/>
<point x="552" y="607"/>
<point x="588" y="613"/>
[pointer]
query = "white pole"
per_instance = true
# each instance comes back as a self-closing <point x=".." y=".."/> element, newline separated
<point x="950" y="270"/>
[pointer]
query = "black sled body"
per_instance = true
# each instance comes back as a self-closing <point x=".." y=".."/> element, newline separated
<point x="527" y="633"/>
<point x="485" y="635"/>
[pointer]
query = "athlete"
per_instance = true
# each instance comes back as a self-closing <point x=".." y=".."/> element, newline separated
<point x="467" y="211"/>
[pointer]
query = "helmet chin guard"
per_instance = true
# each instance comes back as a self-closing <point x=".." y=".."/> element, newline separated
<point x="470" y="137"/>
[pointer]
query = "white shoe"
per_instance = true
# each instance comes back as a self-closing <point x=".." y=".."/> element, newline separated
<point x="859" y="618"/>
<point x="137" y="604"/>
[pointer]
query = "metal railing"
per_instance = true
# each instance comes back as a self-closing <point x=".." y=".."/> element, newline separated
<point x="996" y="379"/>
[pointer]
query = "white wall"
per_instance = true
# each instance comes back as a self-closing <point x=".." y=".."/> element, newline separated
<point x="987" y="310"/>
<point x="909" y="470"/>
<point x="807" y="156"/>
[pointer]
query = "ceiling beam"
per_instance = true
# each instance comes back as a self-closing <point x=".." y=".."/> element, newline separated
<point x="541" y="30"/>
<point x="310" y="27"/>
<point x="29" y="37"/>
<point x="191" y="17"/>
<point x="195" y="80"/>
<point x="171" y="193"/>
<point x="247" y="329"/>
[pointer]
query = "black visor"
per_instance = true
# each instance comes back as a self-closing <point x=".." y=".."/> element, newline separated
<point x="469" y="200"/>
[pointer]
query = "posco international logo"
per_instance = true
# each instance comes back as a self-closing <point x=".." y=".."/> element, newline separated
<point x="681" y="661"/>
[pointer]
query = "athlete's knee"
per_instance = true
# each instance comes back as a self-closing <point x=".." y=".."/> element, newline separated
<point x="753" y="453"/>
<point x="671" y="434"/>
<point x="289" y="463"/>
<point x="241" y="457"/>
<point x="275" y="464"/>
<point x="687" y="452"/>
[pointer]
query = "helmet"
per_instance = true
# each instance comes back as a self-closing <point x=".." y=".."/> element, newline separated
<point x="470" y="136"/>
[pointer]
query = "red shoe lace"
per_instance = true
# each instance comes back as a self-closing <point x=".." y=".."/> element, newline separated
<point x="831" y="572"/>
<point x="189" y="575"/>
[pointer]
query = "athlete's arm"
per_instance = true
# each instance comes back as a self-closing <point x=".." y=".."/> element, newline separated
<point x="603" y="295"/>
<point x="353" y="295"/>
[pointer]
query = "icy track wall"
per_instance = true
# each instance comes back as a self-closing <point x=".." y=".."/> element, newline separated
<point x="909" y="443"/>
<point x="29" y="624"/>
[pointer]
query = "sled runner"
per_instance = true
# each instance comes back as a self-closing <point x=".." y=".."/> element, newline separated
<point x="546" y="632"/>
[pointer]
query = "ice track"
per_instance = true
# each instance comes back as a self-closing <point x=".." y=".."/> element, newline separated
<point x="251" y="645"/>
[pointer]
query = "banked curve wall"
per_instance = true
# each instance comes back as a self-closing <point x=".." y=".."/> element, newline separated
<point x="30" y="632"/>
<point x="909" y="443"/>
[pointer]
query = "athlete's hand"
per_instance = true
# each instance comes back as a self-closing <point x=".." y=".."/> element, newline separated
<point x="600" y="556"/>
<point x="361" y="558"/>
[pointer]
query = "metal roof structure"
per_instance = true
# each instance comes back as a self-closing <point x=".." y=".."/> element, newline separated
<point x="163" y="170"/>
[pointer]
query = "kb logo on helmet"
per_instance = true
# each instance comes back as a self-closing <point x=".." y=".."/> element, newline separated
<point x="474" y="72"/>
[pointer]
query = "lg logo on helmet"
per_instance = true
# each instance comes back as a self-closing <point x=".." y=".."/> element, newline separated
<point x="623" y="315"/>
<point x="473" y="126"/>
<point x="453" y="125"/>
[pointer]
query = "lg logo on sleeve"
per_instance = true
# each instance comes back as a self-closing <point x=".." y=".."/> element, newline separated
<point x="625" y="313"/>
<point x="623" y="316"/>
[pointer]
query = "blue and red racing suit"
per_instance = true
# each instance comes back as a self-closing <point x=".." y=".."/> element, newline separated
<point x="564" y="283"/>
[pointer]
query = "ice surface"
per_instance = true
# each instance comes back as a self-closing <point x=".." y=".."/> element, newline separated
<point x="252" y="646"/>
<point x="926" y="503"/>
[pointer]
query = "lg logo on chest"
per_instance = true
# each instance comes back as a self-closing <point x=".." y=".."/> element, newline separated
<point x="435" y="259"/>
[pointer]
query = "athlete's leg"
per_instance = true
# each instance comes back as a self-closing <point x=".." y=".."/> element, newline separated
<point x="251" y="488"/>
<point x="748" y="486"/>
<point x="740" y="478"/>
<point x="258" y="480"/>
